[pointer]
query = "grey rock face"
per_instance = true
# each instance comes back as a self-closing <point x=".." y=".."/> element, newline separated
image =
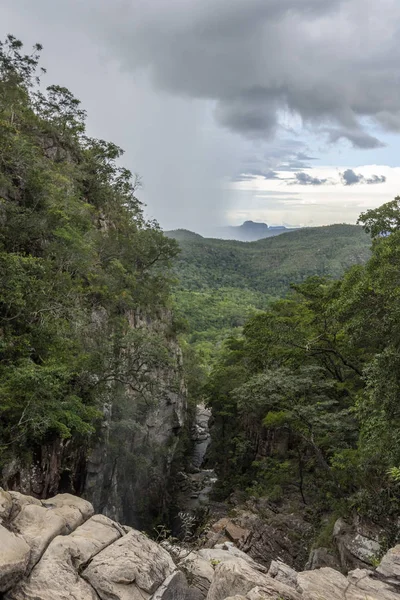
<point x="322" y="557"/>
<point x="147" y="430"/>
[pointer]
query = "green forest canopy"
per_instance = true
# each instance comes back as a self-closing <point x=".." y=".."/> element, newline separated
<point x="77" y="257"/>
<point x="320" y="370"/>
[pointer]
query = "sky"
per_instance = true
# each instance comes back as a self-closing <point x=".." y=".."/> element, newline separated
<point x="282" y="111"/>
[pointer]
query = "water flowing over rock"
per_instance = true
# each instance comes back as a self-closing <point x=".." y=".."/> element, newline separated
<point x="196" y="486"/>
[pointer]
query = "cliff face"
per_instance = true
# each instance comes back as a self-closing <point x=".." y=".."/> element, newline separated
<point x="124" y="469"/>
<point x="127" y="471"/>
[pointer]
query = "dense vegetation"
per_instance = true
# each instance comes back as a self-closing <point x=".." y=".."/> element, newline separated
<point x="78" y="263"/>
<point x="222" y="283"/>
<point x="307" y="401"/>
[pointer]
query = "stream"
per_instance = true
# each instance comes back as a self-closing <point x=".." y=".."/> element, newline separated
<point x="198" y="484"/>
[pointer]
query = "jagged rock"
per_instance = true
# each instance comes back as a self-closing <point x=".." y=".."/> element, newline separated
<point x="322" y="557"/>
<point x="5" y="505"/>
<point x="199" y="572"/>
<point x="130" y="566"/>
<point x="273" y="535"/>
<point x="281" y="572"/>
<point x="219" y="526"/>
<point x="175" y="587"/>
<point x="14" y="557"/>
<point x="390" y="563"/>
<point x="235" y="533"/>
<point x="56" y="576"/>
<point x="355" y="548"/>
<point x="236" y="577"/>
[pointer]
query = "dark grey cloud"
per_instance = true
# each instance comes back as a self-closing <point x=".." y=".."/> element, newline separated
<point x="306" y="179"/>
<point x="176" y="82"/>
<point x="357" y="138"/>
<point x="332" y="62"/>
<point x="350" y="177"/>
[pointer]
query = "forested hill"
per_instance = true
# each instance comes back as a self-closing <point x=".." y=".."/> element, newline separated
<point x="269" y="265"/>
<point x="222" y="283"/>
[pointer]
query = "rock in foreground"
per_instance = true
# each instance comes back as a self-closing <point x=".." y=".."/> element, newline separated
<point x="57" y="550"/>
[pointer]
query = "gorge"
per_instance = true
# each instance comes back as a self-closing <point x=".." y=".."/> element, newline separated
<point x="237" y="404"/>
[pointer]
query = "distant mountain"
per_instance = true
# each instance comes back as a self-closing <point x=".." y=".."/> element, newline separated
<point x="249" y="231"/>
<point x="269" y="265"/>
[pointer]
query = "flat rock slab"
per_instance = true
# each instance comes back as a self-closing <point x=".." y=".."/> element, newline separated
<point x="132" y="568"/>
<point x="14" y="557"/>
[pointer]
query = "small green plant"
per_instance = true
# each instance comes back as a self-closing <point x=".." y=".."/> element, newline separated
<point x="214" y="562"/>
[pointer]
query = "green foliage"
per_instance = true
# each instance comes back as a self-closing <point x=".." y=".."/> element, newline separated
<point x="306" y="401"/>
<point x="79" y="268"/>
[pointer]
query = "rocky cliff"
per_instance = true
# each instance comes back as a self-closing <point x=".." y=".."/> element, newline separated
<point x="123" y="470"/>
<point x="58" y="549"/>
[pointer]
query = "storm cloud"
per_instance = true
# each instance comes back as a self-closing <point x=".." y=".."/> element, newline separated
<point x="350" y="177"/>
<point x="203" y="93"/>
<point x="327" y="61"/>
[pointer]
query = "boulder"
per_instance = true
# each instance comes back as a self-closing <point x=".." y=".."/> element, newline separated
<point x="129" y="568"/>
<point x="390" y="563"/>
<point x="19" y="501"/>
<point x="280" y="535"/>
<point x="365" y="584"/>
<point x="199" y="572"/>
<point x="175" y="587"/>
<point x="14" y="557"/>
<point x="356" y="549"/>
<point x="226" y="552"/>
<point x="323" y="583"/>
<point x="283" y="573"/>
<point x="361" y="584"/>
<point x="74" y="510"/>
<point x="235" y="533"/>
<point x="5" y="505"/>
<point x="56" y="576"/>
<point x="236" y="577"/>
<point x="38" y="526"/>
<point x="322" y="557"/>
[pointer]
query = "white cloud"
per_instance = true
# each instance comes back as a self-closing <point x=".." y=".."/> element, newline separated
<point x="312" y="205"/>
